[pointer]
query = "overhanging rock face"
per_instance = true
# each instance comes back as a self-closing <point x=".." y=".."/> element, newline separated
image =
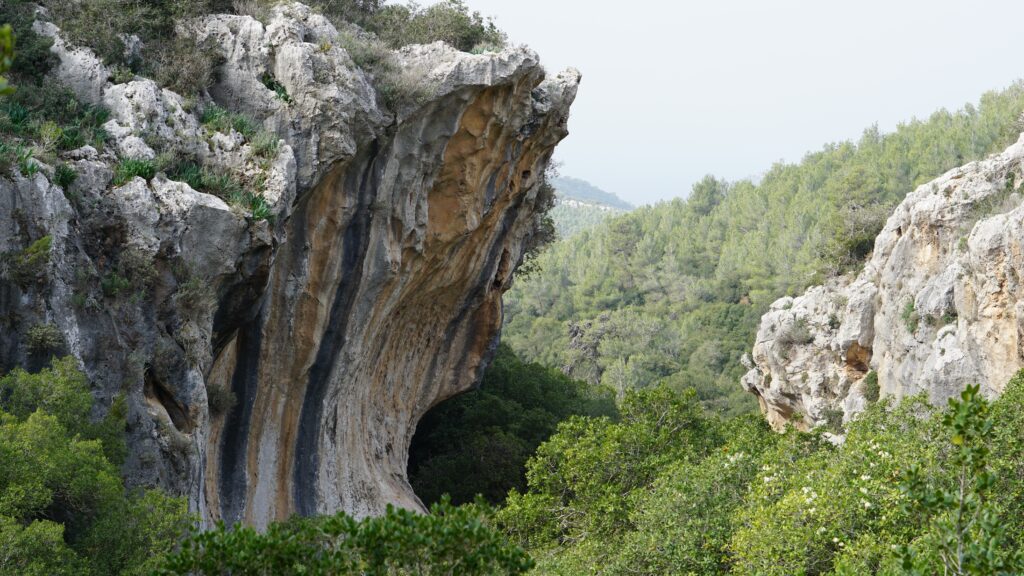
<point x="372" y="292"/>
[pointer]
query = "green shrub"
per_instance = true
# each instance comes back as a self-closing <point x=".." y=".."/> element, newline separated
<point x="870" y="387"/>
<point x="30" y="265"/>
<point x="583" y="481"/>
<point x="43" y="339"/>
<point x="195" y="296"/>
<point x="63" y="507"/>
<point x="6" y="57"/>
<point x="49" y="111"/>
<point x="965" y="534"/>
<point x="131" y="168"/>
<point x="833" y="420"/>
<point x="225" y="186"/>
<point x="265" y="145"/>
<point x="137" y="267"/>
<point x="33" y="60"/>
<point x="64" y="176"/>
<point x="221" y="399"/>
<point x="478" y="442"/>
<point x="279" y="90"/>
<point x="449" y="540"/>
<point x="183" y="65"/>
<point x="911" y="319"/>
<point x="449" y="21"/>
<point x="220" y="120"/>
<point x="395" y="84"/>
<point x="114" y="284"/>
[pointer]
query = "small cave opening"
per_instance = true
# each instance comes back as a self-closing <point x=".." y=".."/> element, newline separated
<point x="858" y="358"/>
<point x="464" y="446"/>
<point x="160" y="398"/>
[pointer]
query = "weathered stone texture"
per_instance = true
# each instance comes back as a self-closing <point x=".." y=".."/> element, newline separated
<point x="372" y="294"/>
<point x="938" y="306"/>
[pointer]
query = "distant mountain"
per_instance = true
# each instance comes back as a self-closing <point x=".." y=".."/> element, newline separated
<point x="584" y="191"/>
<point x="581" y="205"/>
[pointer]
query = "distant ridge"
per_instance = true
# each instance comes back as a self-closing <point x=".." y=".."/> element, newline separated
<point x="576" y="189"/>
<point x="579" y="205"/>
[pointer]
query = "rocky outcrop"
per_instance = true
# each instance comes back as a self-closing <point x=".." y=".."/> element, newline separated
<point x="277" y="362"/>
<point x="939" y="306"/>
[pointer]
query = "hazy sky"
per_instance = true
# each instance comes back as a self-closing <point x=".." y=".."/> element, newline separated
<point x="675" y="90"/>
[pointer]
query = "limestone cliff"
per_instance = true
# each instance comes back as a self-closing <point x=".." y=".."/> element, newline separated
<point x="938" y="306"/>
<point x="367" y="291"/>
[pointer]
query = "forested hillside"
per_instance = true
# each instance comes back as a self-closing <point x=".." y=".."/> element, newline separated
<point x="672" y="293"/>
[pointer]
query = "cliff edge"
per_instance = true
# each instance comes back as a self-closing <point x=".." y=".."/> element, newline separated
<point x="275" y="353"/>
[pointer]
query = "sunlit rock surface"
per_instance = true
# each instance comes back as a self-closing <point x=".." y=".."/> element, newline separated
<point x="371" y="293"/>
<point x="939" y="306"/>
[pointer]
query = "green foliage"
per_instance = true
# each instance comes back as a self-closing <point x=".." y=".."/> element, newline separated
<point x="6" y="57"/>
<point x="64" y="176"/>
<point x="130" y="168"/>
<point x="49" y="115"/>
<point x="911" y="319"/>
<point x="102" y="24"/>
<point x="63" y="509"/>
<point x="221" y="120"/>
<point x="399" y="25"/>
<point x="34" y="59"/>
<point x="44" y="338"/>
<point x="396" y="85"/>
<point x="672" y="293"/>
<point x="194" y="296"/>
<point x="272" y="84"/>
<point x="584" y="481"/>
<point x="870" y="387"/>
<point x="265" y="145"/>
<point x="478" y="442"/>
<point x="225" y="185"/>
<point x="911" y="490"/>
<point x="966" y="535"/>
<point x="113" y="284"/>
<point x="28" y="266"/>
<point x="449" y="540"/>
<point x="181" y="64"/>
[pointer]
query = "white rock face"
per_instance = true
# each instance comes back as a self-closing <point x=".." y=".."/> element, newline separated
<point x="939" y="306"/>
<point x="367" y="289"/>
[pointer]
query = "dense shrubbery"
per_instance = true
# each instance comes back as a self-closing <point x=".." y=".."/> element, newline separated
<point x="449" y="540"/>
<point x="673" y="293"/>
<point x="734" y="497"/>
<point x="63" y="509"/>
<point x="478" y="442"/>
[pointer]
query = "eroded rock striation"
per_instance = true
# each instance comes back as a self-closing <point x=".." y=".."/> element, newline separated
<point x="278" y="363"/>
<point x="939" y="306"/>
